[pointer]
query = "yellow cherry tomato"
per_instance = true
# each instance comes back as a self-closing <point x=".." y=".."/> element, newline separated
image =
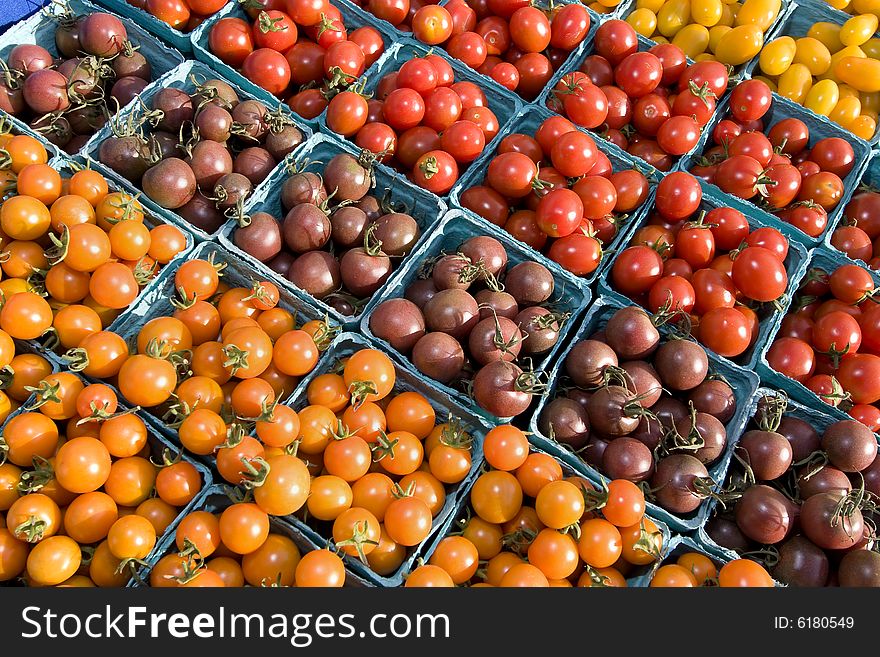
<point x="673" y="16"/>
<point x="847" y="91"/>
<point x="813" y="54"/>
<point x="848" y="51"/>
<point x="715" y="34"/>
<point x="863" y="126"/>
<point x="693" y="39"/>
<point x="871" y="48"/>
<point x="739" y="45"/>
<point x="795" y="83"/>
<point x="828" y="34"/>
<point x="777" y="55"/>
<point x="758" y="12"/>
<point x="858" y="29"/>
<point x="706" y="12"/>
<point x="866" y="7"/>
<point x="643" y="21"/>
<point x="838" y="4"/>
<point x="598" y="7"/>
<point x="610" y="4"/>
<point x="652" y="5"/>
<point x="770" y="83"/>
<point x="870" y="103"/>
<point x="846" y="111"/>
<point x="659" y="38"/>
<point x="859" y="72"/>
<point x="728" y="15"/>
<point x="705" y="57"/>
<point x="822" y="97"/>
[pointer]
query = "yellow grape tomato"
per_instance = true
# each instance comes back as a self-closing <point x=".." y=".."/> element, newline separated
<point x="706" y="12"/>
<point x="822" y="97"/>
<point x="795" y="83"/>
<point x="715" y="34"/>
<point x="777" y="56"/>
<point x="866" y="7"/>
<point x="673" y="16"/>
<point x="838" y="4"/>
<point x="739" y="45"/>
<point x="847" y="91"/>
<point x="846" y="111"/>
<point x="828" y="34"/>
<point x="693" y="39"/>
<point x="813" y="54"/>
<point x="859" y="72"/>
<point x="858" y="29"/>
<point x="643" y="21"/>
<point x="758" y="12"/>
<point x="863" y="126"/>
<point x="728" y="15"/>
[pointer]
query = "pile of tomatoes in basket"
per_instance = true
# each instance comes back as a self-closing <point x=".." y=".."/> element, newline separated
<point x="300" y="50"/>
<point x="650" y="103"/>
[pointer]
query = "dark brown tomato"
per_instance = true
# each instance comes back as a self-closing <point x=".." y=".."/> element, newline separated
<point x="645" y="380"/>
<point x="306" y="228"/>
<point x="860" y="568"/>
<point x="232" y="189"/>
<point x="540" y="328"/>
<point x="46" y="91"/>
<point x="254" y="163"/>
<point x="176" y="107"/>
<point x="803" y="437"/>
<point x="801" y="563"/>
<point x="715" y="397"/>
<point x="494" y="339"/>
<point x="488" y="251"/>
<point x="316" y="272"/>
<point x="827" y="479"/>
<point x="132" y="64"/>
<point x="627" y="458"/>
<point x="850" y="445"/>
<point x="346" y="178"/>
<point x="202" y="213"/>
<point x="595" y="450"/>
<point x="674" y="480"/>
<point x="371" y="206"/>
<point x="453" y="271"/>
<point x="364" y="272"/>
<point x="210" y="161"/>
<point x="347" y="226"/>
<point x="126" y="89"/>
<point x="670" y="411"/>
<point x="102" y="34"/>
<point x="681" y="364"/>
<point x="280" y="264"/>
<point x="566" y="421"/>
<point x="250" y="116"/>
<point x="500" y="303"/>
<point x="399" y="322"/>
<point x="261" y="238"/>
<point x="438" y="356"/>
<point x="767" y="453"/>
<point x="499" y="388"/>
<point x="304" y="187"/>
<point x="170" y="183"/>
<point x="281" y="143"/>
<point x="631" y="333"/>
<point x="398" y="233"/>
<point x="727" y="534"/>
<point x="649" y="432"/>
<point x="214" y="122"/>
<point x="420" y="292"/>
<point x="452" y="311"/>
<point x="763" y="515"/>
<point x="587" y="361"/>
<point x="530" y="283"/>
<point x="824" y="524"/>
<point x="127" y="156"/>
<point x="710" y="431"/>
<point x="614" y="411"/>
